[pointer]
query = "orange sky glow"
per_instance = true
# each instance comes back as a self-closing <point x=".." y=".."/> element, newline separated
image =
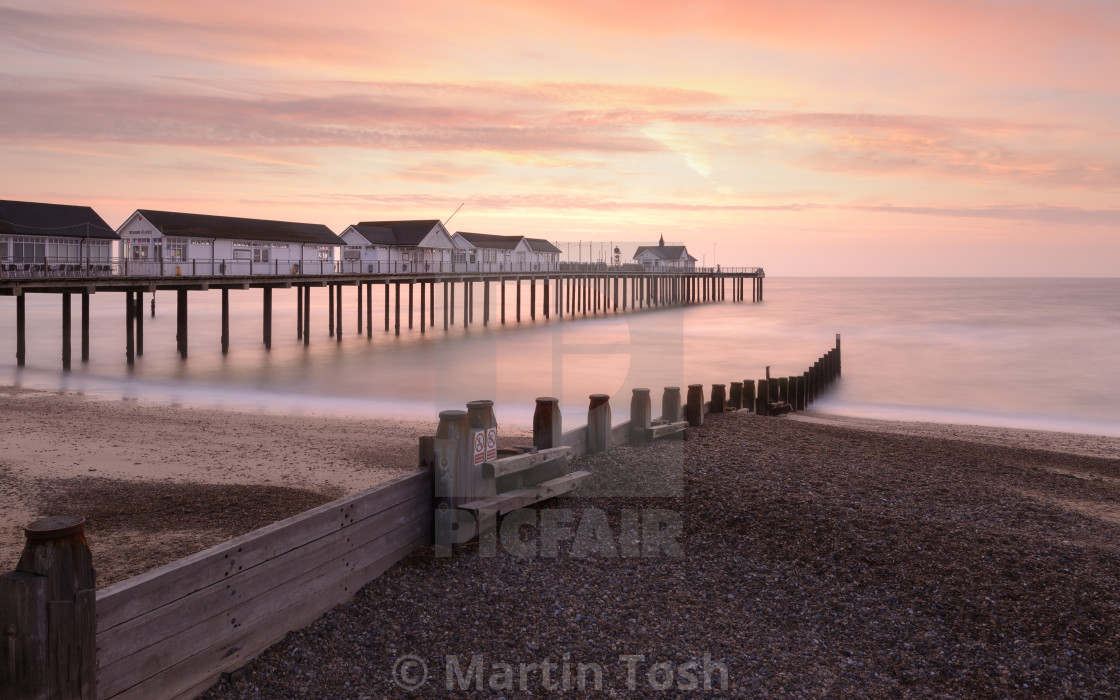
<point x="873" y="137"/>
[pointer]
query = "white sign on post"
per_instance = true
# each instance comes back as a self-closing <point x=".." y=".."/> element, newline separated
<point x="479" y="446"/>
<point x="491" y="444"/>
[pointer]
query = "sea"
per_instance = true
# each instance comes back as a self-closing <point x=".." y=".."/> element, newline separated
<point x="1015" y="352"/>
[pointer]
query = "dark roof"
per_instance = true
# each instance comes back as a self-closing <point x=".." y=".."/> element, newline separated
<point x="666" y="252"/>
<point x="489" y="240"/>
<point x="540" y="245"/>
<point x="402" y="233"/>
<point x="40" y="219"/>
<point x="205" y="226"/>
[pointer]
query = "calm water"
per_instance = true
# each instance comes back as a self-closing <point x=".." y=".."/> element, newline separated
<point x="1006" y="352"/>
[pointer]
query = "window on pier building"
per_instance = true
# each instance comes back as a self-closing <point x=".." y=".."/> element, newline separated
<point x="324" y="252"/>
<point x="176" y="249"/>
<point x="4" y="249"/>
<point x="260" y="252"/>
<point x="28" y="249"/>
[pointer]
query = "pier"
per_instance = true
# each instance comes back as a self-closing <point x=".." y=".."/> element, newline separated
<point x="572" y="289"/>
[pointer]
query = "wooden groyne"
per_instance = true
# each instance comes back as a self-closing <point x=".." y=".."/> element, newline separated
<point x="171" y="632"/>
<point x="580" y="291"/>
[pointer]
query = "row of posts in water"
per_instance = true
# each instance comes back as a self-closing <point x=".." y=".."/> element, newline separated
<point x="765" y="397"/>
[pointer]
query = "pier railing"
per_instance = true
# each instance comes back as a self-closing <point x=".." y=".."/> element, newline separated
<point x="126" y="267"/>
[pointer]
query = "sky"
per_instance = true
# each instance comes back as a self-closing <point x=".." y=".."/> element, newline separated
<point x="874" y="137"/>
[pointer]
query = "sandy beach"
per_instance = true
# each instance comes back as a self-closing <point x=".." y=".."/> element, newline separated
<point x="157" y="482"/>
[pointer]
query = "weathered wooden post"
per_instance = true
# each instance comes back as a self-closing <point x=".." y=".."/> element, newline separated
<point x="719" y="398"/>
<point x="547" y="423"/>
<point x="783" y="389"/>
<point x="47" y="615"/>
<point x="694" y="409"/>
<point x="748" y="395"/>
<point x="837" y="354"/>
<point x="671" y="404"/>
<point x="640" y="416"/>
<point x="599" y="424"/>
<point x="451" y="458"/>
<point x="736" y="396"/>
<point x="299" y="311"/>
<point x="762" y="405"/>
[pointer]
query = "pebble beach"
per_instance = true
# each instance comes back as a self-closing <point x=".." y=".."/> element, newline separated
<point x="813" y="560"/>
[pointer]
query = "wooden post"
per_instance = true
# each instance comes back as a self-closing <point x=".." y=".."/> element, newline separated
<point x="423" y="305"/>
<point x="671" y="404"/>
<point x="719" y="398"/>
<point x="502" y="294"/>
<point x="182" y="308"/>
<point x="624" y="293"/>
<point x="452" y="305"/>
<point x="532" y="298"/>
<point x="736" y="395"/>
<point x="451" y="462"/>
<point x="748" y="395"/>
<point x="139" y="316"/>
<point x="410" y="305"/>
<point x="783" y="389"/>
<point x="694" y="409"/>
<point x="484" y="448"/>
<point x="446" y="304"/>
<point x="307" y="315"/>
<point x="330" y="309"/>
<point x="547" y="423"/>
<point x="517" y="301"/>
<point x="762" y="405"/>
<point x="640" y="416"/>
<point x="387" y="295"/>
<point x="806" y="395"/>
<point x="85" y="326"/>
<point x="545" y="284"/>
<point x="599" y="424"/>
<point x="299" y="313"/>
<point x="21" y="330"/>
<point x="130" y="329"/>
<point x="66" y="330"/>
<point x="369" y="310"/>
<point x="225" y="321"/>
<point x="468" y="287"/>
<point x="359" y="285"/>
<point x="397" y="316"/>
<point x="267" y="321"/>
<point x="432" y="304"/>
<point x="338" y="312"/>
<point x="47" y="615"/>
<point x="485" y="302"/>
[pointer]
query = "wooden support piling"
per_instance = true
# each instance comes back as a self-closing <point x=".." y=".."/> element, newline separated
<point x="182" y="318"/>
<point x="369" y="310"/>
<point x="268" y="317"/>
<point x="762" y="404"/>
<point x="359" y="308"/>
<point x="517" y="301"/>
<point x="307" y="315"/>
<point x="545" y="284"/>
<point x="225" y="321"/>
<point x="388" y="294"/>
<point x="330" y="309"/>
<point x="640" y="416"/>
<point x="423" y="305"/>
<point x="502" y="295"/>
<point x="139" y="317"/>
<point x="468" y="287"/>
<point x="397" y="316"/>
<point x="299" y="312"/>
<point x="532" y="298"/>
<point x="432" y="304"/>
<point x="547" y="426"/>
<point x="694" y="408"/>
<point x="66" y="330"/>
<point x="446" y="305"/>
<point x="598" y="423"/>
<point x="749" y="395"/>
<point x="719" y="398"/>
<point x="85" y="326"/>
<point x="671" y="404"/>
<point x="47" y="614"/>
<point x="410" y="306"/>
<point x="486" y="303"/>
<point x="130" y="329"/>
<point x="736" y="401"/>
